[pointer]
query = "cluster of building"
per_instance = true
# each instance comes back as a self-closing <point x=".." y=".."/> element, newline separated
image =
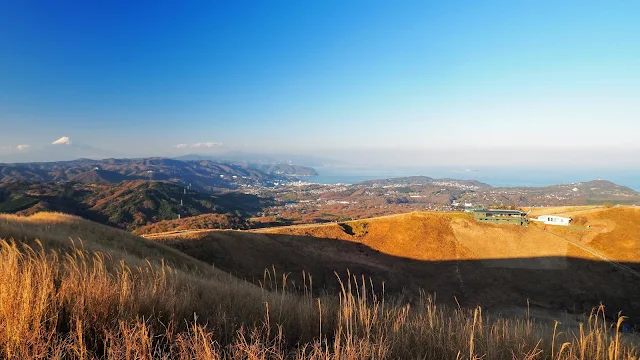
<point x="516" y="217"/>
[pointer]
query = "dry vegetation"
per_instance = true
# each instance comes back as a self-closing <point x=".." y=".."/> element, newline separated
<point x="463" y="262"/>
<point x="206" y="221"/>
<point x="100" y="298"/>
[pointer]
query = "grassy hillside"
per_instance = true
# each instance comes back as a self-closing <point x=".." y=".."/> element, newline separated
<point x="113" y="295"/>
<point x="462" y="261"/>
<point x="206" y="221"/>
<point x="138" y="203"/>
<point x="614" y="232"/>
<point x="61" y="232"/>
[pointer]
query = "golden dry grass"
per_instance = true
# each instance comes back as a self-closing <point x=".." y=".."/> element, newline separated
<point x="564" y="210"/>
<point x="455" y="236"/>
<point x="614" y="232"/>
<point x="621" y="242"/>
<point x="59" y="301"/>
<point x="420" y="236"/>
<point x="449" y="254"/>
<point x="60" y="231"/>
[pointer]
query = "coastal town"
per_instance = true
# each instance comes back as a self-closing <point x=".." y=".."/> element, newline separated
<point x="303" y="202"/>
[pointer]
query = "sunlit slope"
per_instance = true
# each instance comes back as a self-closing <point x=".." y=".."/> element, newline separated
<point x="420" y="236"/>
<point x="614" y="232"/>
<point x="512" y="243"/>
<point x="435" y="236"/>
<point x="625" y="236"/>
<point x="447" y="254"/>
<point x="69" y="302"/>
<point x="56" y="231"/>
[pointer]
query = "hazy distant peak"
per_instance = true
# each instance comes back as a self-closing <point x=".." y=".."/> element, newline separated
<point x="62" y="141"/>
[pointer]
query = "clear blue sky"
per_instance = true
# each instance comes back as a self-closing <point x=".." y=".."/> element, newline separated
<point x="371" y="77"/>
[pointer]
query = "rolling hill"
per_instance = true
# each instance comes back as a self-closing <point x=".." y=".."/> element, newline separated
<point x="75" y="289"/>
<point x="203" y="175"/>
<point x="56" y="231"/>
<point x="205" y="221"/>
<point x="449" y="254"/>
<point x="129" y="204"/>
<point x="421" y="181"/>
<point x="71" y="288"/>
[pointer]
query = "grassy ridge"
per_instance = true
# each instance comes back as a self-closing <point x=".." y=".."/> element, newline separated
<point x="127" y="205"/>
<point x="206" y="221"/>
<point x="461" y="261"/>
<point x="79" y="302"/>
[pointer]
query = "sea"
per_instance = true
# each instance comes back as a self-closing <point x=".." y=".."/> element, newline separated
<point x="511" y="177"/>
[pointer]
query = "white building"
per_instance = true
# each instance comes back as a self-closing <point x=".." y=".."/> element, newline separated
<point x="553" y="220"/>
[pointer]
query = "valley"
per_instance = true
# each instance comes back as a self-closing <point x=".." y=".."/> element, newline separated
<point x="247" y="194"/>
<point x="305" y="203"/>
<point x="273" y="254"/>
<point x="130" y="204"/>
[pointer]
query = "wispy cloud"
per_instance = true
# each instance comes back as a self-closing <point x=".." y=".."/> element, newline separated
<point x="206" y="144"/>
<point x="209" y="144"/>
<point x="4" y="147"/>
<point x="23" y="147"/>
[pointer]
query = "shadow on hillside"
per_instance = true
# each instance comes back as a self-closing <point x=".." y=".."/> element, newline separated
<point x="573" y="285"/>
<point x="69" y="205"/>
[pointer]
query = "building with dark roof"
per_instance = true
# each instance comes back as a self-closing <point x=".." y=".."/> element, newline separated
<point x="514" y="217"/>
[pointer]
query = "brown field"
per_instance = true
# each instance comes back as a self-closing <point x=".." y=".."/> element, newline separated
<point x="496" y="266"/>
<point x="112" y="295"/>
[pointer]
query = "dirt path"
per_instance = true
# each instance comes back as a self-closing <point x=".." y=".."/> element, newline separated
<point x="598" y="254"/>
<point x="564" y="210"/>
<point x="179" y="232"/>
<point x="298" y="226"/>
<point x="316" y="225"/>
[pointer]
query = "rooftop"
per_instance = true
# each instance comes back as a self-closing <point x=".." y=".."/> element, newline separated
<point x="500" y="211"/>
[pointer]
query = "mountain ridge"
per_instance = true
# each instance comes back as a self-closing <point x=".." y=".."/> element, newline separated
<point x="129" y="204"/>
<point x="205" y="175"/>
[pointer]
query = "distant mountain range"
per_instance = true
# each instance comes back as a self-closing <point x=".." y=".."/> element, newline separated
<point x="594" y="189"/>
<point x="422" y="180"/>
<point x="476" y="192"/>
<point x="134" y="193"/>
<point x="591" y="189"/>
<point x="203" y="175"/>
<point x="254" y="158"/>
<point x="131" y="193"/>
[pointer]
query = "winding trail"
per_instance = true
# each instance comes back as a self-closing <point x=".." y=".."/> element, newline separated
<point x="598" y="254"/>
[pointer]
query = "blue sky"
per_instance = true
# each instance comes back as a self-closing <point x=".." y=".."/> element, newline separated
<point x="372" y="79"/>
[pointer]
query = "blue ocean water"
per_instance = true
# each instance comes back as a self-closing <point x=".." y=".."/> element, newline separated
<point x="491" y="176"/>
